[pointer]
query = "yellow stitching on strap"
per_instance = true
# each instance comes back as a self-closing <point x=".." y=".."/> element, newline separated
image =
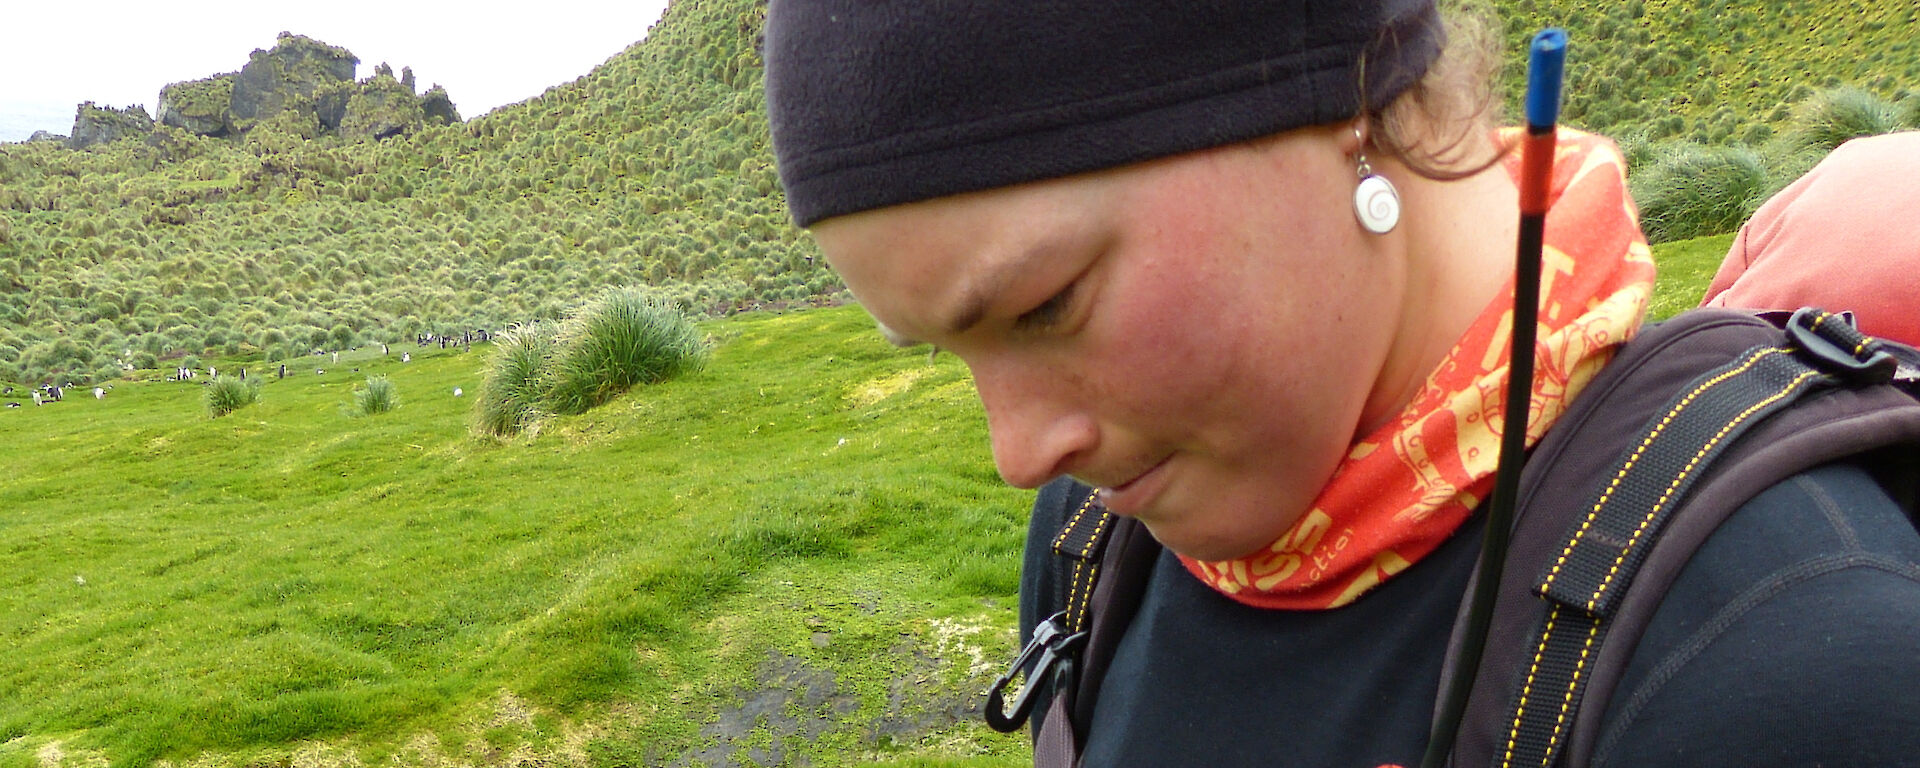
<point x="1093" y="573"/>
<point x="1098" y="527"/>
<point x="1086" y="597"/>
<point x="1573" y="685"/>
<point x="1071" y="522"/>
<point x="1687" y="470"/>
<point x="1521" y="711"/>
<point x="1073" y="596"/>
<point x="1074" y="583"/>
<point x="1633" y="459"/>
<point x="1080" y="592"/>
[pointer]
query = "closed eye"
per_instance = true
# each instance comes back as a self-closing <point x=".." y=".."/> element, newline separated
<point x="1049" y="313"/>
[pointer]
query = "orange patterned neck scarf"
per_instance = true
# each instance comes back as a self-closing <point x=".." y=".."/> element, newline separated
<point x="1405" y="488"/>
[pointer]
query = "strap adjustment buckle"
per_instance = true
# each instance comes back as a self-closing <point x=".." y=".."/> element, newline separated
<point x="1057" y="650"/>
<point x="1830" y="343"/>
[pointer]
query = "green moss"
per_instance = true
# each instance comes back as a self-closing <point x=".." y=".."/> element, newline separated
<point x="301" y="49"/>
<point x="201" y="98"/>
<point x="380" y="108"/>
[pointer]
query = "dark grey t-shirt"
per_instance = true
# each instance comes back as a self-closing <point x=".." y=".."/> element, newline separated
<point x="1791" y="638"/>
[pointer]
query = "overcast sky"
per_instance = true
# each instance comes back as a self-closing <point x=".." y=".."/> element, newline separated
<point x="54" y="55"/>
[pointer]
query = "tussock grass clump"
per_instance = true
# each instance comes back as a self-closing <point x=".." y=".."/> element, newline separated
<point x="1638" y="148"/>
<point x="1909" y="110"/>
<point x="1693" y="190"/>
<point x="1831" y="117"/>
<point x="226" y="394"/>
<point x="512" y="393"/>
<point x="621" y="338"/>
<point x="378" y="396"/>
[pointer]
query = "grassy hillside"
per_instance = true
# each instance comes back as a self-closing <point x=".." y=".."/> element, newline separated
<point x="803" y="548"/>
<point x="1719" y="70"/>
<point x="654" y="169"/>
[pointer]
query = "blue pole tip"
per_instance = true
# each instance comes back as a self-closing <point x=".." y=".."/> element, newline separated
<point x="1547" y="59"/>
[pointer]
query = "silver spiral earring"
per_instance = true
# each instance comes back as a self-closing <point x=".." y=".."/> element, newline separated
<point x="1375" y="202"/>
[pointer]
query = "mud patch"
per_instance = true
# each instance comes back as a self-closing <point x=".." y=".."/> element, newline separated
<point x="797" y="701"/>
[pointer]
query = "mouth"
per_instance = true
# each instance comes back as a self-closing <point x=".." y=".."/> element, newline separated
<point x="1132" y="497"/>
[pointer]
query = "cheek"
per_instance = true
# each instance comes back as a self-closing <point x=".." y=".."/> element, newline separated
<point x="1211" y="323"/>
<point x="1175" y="328"/>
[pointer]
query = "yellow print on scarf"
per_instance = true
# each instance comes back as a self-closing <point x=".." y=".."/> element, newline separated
<point x="1284" y="556"/>
<point x="1450" y="448"/>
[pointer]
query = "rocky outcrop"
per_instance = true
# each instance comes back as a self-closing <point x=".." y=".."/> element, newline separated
<point x="46" y="136"/>
<point x="438" y="106"/>
<point x="330" y="104"/>
<point x="198" y="106"/>
<point x="300" y="88"/>
<point x="286" y="77"/>
<point x="382" y="108"/>
<point x="93" y="125"/>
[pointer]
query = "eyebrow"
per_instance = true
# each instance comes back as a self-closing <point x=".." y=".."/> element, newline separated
<point x="972" y="309"/>
<point x="978" y="293"/>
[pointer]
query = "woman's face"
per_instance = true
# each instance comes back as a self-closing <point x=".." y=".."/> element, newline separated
<point x="1198" y="336"/>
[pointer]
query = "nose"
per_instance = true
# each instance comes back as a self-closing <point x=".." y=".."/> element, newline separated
<point x="1040" y="428"/>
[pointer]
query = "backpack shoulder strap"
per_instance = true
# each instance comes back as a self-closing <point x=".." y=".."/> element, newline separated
<point x="1730" y="407"/>
<point x="1102" y="563"/>
<point x="1126" y="567"/>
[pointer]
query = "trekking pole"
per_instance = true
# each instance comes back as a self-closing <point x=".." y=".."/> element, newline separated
<point x="1546" y="63"/>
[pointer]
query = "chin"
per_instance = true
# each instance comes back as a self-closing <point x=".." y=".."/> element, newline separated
<point x="1205" y="545"/>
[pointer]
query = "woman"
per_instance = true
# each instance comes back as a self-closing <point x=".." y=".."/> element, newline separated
<point x="1159" y="236"/>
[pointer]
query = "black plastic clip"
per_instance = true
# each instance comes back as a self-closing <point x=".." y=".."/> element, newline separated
<point x="1057" y="649"/>
<point x="1833" y="345"/>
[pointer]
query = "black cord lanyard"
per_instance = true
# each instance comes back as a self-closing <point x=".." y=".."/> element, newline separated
<point x="1546" y="63"/>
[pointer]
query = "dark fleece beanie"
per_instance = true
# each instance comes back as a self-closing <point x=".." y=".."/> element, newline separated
<point x="879" y="102"/>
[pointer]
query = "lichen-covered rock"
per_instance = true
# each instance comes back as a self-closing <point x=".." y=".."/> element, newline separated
<point x="286" y="77"/>
<point x="382" y="108"/>
<point x="46" y="136"/>
<point x="438" y="106"/>
<point x="94" y="125"/>
<point x="330" y="103"/>
<point x="197" y="106"/>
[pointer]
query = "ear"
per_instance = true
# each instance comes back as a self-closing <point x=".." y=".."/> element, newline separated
<point x="1352" y="137"/>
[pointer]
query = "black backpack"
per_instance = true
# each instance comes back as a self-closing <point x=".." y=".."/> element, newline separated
<point x="1732" y="403"/>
